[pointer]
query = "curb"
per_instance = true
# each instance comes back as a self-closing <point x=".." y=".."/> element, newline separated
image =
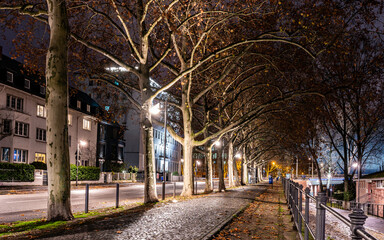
<point x="221" y="225"/>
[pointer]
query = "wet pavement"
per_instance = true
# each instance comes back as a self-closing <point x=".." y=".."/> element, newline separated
<point x="191" y="219"/>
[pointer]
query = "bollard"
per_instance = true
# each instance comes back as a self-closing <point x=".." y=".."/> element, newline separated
<point x="117" y="195"/>
<point x="320" y="216"/>
<point x="196" y="188"/>
<point x="306" y="216"/>
<point x="357" y="222"/>
<point x="300" y="206"/>
<point x="86" y="197"/>
<point x="163" y="190"/>
<point x="174" y="189"/>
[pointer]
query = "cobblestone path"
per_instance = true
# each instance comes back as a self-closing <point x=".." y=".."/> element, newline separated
<point x="191" y="219"/>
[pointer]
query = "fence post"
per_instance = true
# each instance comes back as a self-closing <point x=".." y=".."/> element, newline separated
<point x="296" y="203"/>
<point x="86" y="197"/>
<point x="357" y="222"/>
<point x="306" y="231"/>
<point x="320" y="216"/>
<point x="117" y="195"/>
<point x="174" y="189"/>
<point x="300" y="207"/>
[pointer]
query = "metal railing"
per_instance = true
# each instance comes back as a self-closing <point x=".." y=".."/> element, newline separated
<point x="373" y="209"/>
<point x="294" y="194"/>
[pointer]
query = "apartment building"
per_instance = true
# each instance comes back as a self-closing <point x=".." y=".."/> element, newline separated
<point x="23" y="118"/>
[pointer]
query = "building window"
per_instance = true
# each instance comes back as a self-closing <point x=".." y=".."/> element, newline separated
<point x="87" y="124"/>
<point x="15" y="103"/>
<point x="40" y="157"/>
<point x="27" y="83"/>
<point x="102" y="132"/>
<point x="42" y="89"/>
<point x="20" y="155"/>
<point x="21" y="129"/>
<point x="41" y="111"/>
<point x="102" y="151"/>
<point x="41" y="134"/>
<point x="88" y="108"/>
<point x="7" y="126"/>
<point x="5" y="154"/>
<point x="69" y="119"/>
<point x="9" y="77"/>
<point x="120" y="153"/>
<point x="380" y="184"/>
<point x="78" y="104"/>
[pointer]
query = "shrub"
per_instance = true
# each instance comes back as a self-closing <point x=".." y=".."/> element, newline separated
<point x="17" y="172"/>
<point x="117" y="167"/>
<point x="133" y="169"/>
<point x="85" y="173"/>
<point x="39" y="165"/>
<point x="175" y="173"/>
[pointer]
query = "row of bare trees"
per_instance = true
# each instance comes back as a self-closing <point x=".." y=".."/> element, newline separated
<point x="235" y="71"/>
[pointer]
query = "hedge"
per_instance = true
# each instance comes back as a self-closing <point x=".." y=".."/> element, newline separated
<point x="85" y="173"/>
<point x="17" y="172"/>
<point x="39" y="165"/>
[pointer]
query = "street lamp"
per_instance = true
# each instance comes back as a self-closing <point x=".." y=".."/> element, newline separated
<point x="357" y="166"/>
<point x="83" y="144"/>
<point x="238" y="155"/>
<point x="155" y="110"/>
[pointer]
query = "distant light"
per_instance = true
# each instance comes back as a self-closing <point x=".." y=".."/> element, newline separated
<point x="174" y="200"/>
<point x="117" y="83"/>
<point x="182" y="160"/>
<point x="198" y="163"/>
<point x="116" y="69"/>
<point x="329" y="175"/>
<point x="273" y="163"/>
<point x="217" y="143"/>
<point x="238" y="155"/>
<point x="83" y="143"/>
<point x="155" y="109"/>
<point x="106" y="108"/>
<point x="355" y="165"/>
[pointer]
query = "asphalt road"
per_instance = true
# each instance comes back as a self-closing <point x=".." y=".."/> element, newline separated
<point x="18" y="207"/>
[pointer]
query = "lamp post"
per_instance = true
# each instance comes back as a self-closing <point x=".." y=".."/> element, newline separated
<point x="82" y="143"/>
<point x="101" y="161"/>
<point x="156" y="110"/>
<point x="357" y="165"/>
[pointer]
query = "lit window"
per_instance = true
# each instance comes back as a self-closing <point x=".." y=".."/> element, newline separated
<point x="87" y="124"/>
<point x="27" y="84"/>
<point x="9" y="77"/>
<point x="21" y="129"/>
<point x="41" y="134"/>
<point x="15" y="103"/>
<point x="42" y="90"/>
<point x="380" y="184"/>
<point x="41" y="111"/>
<point x="69" y="119"/>
<point x="20" y="155"/>
<point x="78" y="104"/>
<point x="5" y="152"/>
<point x="88" y="108"/>
<point x="40" y="157"/>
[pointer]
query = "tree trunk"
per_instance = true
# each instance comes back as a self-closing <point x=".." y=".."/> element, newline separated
<point x="221" y="170"/>
<point x="208" y="179"/>
<point x="150" y="193"/>
<point x="236" y="174"/>
<point x="230" y="164"/>
<point x="58" y="165"/>
<point x="244" y="169"/>
<point x="188" y="186"/>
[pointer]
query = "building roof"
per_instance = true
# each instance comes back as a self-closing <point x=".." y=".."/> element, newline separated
<point x="379" y="174"/>
<point x="36" y="82"/>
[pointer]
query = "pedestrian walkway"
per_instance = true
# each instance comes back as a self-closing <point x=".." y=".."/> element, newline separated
<point x="197" y="218"/>
<point x="266" y="218"/>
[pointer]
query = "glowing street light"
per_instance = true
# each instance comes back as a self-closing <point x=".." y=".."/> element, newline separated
<point x="357" y="166"/>
<point x="238" y="155"/>
<point x="217" y="143"/>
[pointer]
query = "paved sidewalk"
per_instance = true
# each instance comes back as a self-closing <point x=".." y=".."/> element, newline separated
<point x="266" y="218"/>
<point x="197" y="218"/>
